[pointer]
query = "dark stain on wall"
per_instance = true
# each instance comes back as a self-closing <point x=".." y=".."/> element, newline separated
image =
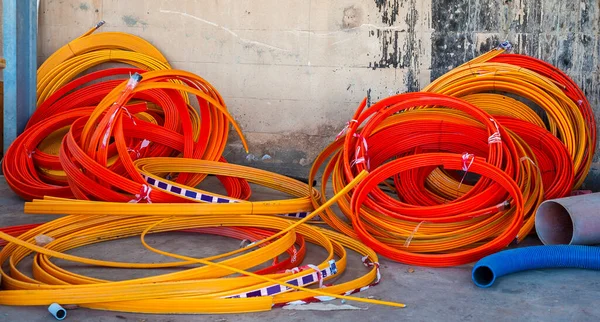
<point x="399" y="47"/>
<point x="390" y="53"/>
<point x="451" y="41"/>
<point x="411" y="52"/>
<point x="388" y="10"/>
<point x="352" y="18"/>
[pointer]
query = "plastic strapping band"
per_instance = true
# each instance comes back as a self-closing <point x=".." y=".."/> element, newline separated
<point x="203" y="197"/>
<point x="108" y="127"/>
<point x="319" y="275"/>
<point x="300" y="215"/>
<point x="145" y="143"/>
<point x="357" y="157"/>
<point x="129" y="115"/>
<point x="144" y="194"/>
<point x="412" y="235"/>
<point x="316" y="275"/>
<point x="495" y="137"/>
<point x="137" y="152"/>
<point x="294" y="255"/>
<point x="526" y="158"/>
<point x="368" y="263"/>
<point x="345" y="129"/>
<point x="465" y="167"/>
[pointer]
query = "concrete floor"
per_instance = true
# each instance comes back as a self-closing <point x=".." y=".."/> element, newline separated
<point x="430" y="294"/>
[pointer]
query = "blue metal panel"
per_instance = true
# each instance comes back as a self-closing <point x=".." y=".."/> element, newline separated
<point x="20" y="51"/>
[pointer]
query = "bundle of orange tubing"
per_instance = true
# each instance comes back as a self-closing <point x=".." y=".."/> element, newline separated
<point x="522" y="128"/>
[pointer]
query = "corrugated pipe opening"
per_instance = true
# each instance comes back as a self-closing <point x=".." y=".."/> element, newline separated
<point x="483" y="276"/>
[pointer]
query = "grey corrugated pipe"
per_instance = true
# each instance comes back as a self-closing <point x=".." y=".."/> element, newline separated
<point x="572" y="220"/>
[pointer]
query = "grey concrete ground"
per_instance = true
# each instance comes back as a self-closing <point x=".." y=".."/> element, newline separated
<point x="430" y="294"/>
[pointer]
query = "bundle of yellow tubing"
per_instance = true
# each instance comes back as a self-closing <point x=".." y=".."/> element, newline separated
<point x="93" y="49"/>
<point x="565" y="119"/>
<point x="205" y="289"/>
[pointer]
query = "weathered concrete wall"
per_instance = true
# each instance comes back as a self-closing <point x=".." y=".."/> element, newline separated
<point x="293" y="72"/>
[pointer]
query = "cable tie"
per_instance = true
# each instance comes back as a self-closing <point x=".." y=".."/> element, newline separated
<point x="144" y="194"/>
<point x="579" y="103"/>
<point x="345" y="129"/>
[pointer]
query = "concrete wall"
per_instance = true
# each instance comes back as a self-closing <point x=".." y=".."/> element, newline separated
<point x="293" y="72"/>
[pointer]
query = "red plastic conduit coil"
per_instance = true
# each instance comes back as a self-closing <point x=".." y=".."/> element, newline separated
<point x="24" y="161"/>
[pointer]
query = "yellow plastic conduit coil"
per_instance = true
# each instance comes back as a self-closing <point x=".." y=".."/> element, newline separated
<point x="64" y="72"/>
<point x="89" y="42"/>
<point x="93" y="49"/>
<point x="204" y="289"/>
<point x="207" y="202"/>
<point x="566" y="121"/>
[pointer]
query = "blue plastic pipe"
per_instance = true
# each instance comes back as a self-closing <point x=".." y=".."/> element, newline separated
<point x="515" y="260"/>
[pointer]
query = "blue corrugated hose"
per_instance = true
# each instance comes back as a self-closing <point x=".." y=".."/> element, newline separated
<point x="510" y="261"/>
